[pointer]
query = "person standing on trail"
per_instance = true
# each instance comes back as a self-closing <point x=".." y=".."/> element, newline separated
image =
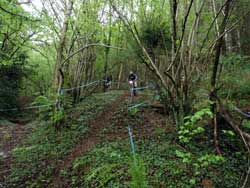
<point x="132" y="79"/>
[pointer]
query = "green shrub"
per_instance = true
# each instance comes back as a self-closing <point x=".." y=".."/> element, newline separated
<point x="190" y="127"/>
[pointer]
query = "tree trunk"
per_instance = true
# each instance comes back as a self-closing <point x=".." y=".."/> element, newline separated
<point x="120" y="76"/>
<point x="108" y="42"/>
<point x="60" y="50"/>
<point x="214" y="74"/>
<point x="173" y="10"/>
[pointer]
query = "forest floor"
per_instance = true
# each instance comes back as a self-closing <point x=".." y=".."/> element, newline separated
<point x="103" y="129"/>
<point x="93" y="150"/>
<point x="11" y="135"/>
<point x="88" y="141"/>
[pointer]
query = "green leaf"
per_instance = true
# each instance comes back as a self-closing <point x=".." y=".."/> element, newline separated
<point x="228" y="132"/>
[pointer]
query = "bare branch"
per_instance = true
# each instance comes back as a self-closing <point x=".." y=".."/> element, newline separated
<point x="182" y="36"/>
<point x="88" y="46"/>
<point x="17" y="15"/>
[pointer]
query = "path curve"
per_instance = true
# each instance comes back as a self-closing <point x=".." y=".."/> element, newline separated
<point x="88" y="141"/>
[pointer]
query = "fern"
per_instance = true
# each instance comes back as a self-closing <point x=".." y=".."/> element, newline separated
<point x="138" y="173"/>
<point x="102" y="175"/>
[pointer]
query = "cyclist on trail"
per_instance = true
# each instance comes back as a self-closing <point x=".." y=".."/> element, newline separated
<point x="107" y="82"/>
<point x="132" y="79"/>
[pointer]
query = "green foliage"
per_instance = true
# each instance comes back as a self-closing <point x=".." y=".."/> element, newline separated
<point x="36" y="158"/>
<point x="154" y="26"/>
<point x="41" y="100"/>
<point x="228" y="132"/>
<point x="235" y="77"/>
<point x="137" y="171"/>
<point x="10" y="83"/>
<point x="233" y="59"/>
<point x="58" y="116"/>
<point x="200" y="164"/>
<point x="102" y="175"/>
<point x="208" y="159"/>
<point x="40" y="77"/>
<point x="246" y="124"/>
<point x="29" y="72"/>
<point x="190" y="127"/>
<point x="165" y="164"/>
<point x="42" y="145"/>
<point x="186" y="156"/>
<point x="133" y="111"/>
<point x="105" y="172"/>
<point x="155" y="33"/>
<point x="45" y="111"/>
<point x="16" y="28"/>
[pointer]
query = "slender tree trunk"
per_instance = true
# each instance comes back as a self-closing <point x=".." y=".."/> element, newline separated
<point x="60" y="51"/>
<point x="173" y="9"/>
<point x="216" y="20"/>
<point x="107" y="49"/>
<point x="120" y="76"/>
<point x="214" y="74"/>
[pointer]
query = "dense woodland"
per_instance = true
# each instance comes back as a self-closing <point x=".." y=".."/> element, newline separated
<point x="61" y="126"/>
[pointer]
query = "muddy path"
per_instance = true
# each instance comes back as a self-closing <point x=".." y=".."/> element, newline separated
<point x="88" y="141"/>
<point x="11" y="135"/>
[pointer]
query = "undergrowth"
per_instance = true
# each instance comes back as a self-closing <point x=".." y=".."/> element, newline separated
<point x="36" y="158"/>
<point x="164" y="161"/>
<point x="108" y="165"/>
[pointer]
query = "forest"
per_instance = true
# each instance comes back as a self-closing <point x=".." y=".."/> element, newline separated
<point x="124" y="94"/>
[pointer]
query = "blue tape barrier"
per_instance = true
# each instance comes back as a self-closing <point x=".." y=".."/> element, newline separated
<point x="82" y="86"/>
<point x="139" y="88"/>
<point x="26" y="108"/>
<point x="131" y="140"/>
<point x="138" y="105"/>
<point x="242" y="113"/>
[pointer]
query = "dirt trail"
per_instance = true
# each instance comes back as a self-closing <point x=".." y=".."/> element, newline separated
<point x="88" y="141"/>
<point x="150" y="120"/>
<point x="10" y="137"/>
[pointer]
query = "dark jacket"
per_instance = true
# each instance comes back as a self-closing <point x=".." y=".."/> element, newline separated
<point x="132" y="77"/>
